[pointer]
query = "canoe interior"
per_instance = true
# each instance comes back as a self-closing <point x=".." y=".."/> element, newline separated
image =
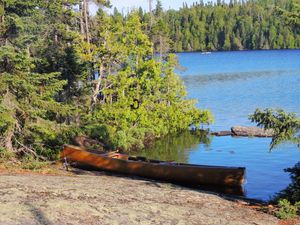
<point x="155" y="169"/>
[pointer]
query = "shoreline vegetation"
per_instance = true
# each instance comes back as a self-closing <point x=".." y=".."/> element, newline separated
<point x="241" y="50"/>
<point x="234" y="25"/>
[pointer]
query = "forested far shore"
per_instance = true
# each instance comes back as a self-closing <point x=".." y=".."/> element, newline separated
<point x="233" y="25"/>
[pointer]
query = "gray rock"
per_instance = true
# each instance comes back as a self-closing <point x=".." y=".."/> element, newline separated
<point x="102" y="199"/>
<point x="251" y="131"/>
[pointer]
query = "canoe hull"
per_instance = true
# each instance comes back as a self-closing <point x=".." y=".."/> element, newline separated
<point x="172" y="172"/>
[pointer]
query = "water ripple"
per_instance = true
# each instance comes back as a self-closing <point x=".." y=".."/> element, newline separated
<point x="202" y="79"/>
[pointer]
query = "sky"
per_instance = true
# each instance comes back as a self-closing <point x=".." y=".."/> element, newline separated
<point x="127" y="5"/>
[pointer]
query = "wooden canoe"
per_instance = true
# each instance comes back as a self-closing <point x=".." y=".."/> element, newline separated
<point x="154" y="169"/>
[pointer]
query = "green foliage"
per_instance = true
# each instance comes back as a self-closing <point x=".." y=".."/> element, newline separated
<point x="5" y="155"/>
<point x="292" y="192"/>
<point x="285" y="125"/>
<point x="287" y="210"/>
<point x="31" y="163"/>
<point x="28" y="107"/>
<point x="140" y="97"/>
<point x="31" y="118"/>
<point x="291" y="14"/>
<point x="234" y="25"/>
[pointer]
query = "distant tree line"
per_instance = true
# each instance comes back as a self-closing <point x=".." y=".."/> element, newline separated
<point x="236" y="25"/>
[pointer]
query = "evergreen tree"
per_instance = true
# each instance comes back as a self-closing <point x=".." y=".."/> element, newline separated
<point x="29" y="113"/>
<point x="138" y="96"/>
<point x="232" y="26"/>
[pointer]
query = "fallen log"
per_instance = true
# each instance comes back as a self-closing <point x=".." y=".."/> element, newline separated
<point x="222" y="133"/>
<point x="241" y="131"/>
<point x="251" y="132"/>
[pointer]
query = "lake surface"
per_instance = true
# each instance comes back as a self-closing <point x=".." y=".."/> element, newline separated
<point x="232" y="85"/>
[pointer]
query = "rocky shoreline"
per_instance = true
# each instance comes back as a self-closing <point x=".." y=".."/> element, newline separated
<point x="99" y="198"/>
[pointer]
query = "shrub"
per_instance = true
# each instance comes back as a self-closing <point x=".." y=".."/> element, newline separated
<point x="287" y="210"/>
<point x="31" y="163"/>
<point x="5" y="155"/>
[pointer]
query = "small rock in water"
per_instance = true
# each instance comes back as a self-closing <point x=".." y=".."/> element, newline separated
<point x="222" y="133"/>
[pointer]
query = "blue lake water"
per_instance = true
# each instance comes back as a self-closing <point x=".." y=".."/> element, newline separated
<point x="232" y="85"/>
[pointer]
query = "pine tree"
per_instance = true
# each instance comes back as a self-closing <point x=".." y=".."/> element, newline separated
<point x="242" y="25"/>
<point x="29" y="111"/>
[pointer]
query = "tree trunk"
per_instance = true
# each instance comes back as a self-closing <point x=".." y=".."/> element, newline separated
<point x="3" y="40"/>
<point x="86" y="21"/>
<point x="1" y="19"/>
<point x="81" y="18"/>
<point x="8" y="141"/>
<point x="151" y="16"/>
<point x="169" y="102"/>
<point x="97" y="89"/>
<point x="160" y="48"/>
<point x="137" y="62"/>
<point x="55" y="38"/>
